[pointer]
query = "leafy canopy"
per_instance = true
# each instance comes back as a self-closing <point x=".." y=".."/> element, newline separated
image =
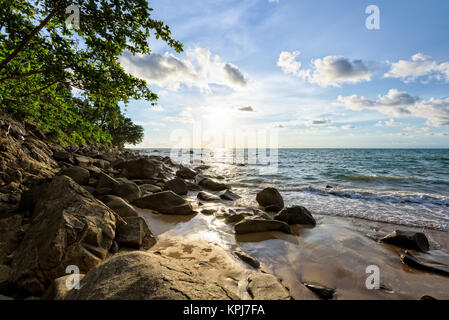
<point x="68" y="80"/>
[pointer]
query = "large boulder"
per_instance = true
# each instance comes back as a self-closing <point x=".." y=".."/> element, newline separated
<point x="270" y="199"/>
<point x="264" y="286"/>
<point x="150" y="188"/>
<point x="186" y="173"/>
<point x="177" y="185"/>
<point x="106" y="181"/>
<point x="78" y="174"/>
<point x="11" y="232"/>
<point x="120" y="206"/>
<point x="59" y="288"/>
<point x="69" y="227"/>
<point x="408" y="239"/>
<point x="296" y="215"/>
<point x="212" y="185"/>
<point x="142" y="168"/>
<point x="134" y="232"/>
<point x="148" y="276"/>
<point x="229" y="195"/>
<point x="128" y="190"/>
<point x="166" y="202"/>
<point x="260" y="225"/>
<point x="5" y="278"/>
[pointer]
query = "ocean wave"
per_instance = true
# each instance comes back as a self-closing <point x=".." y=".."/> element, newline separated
<point x="358" y="177"/>
<point x="385" y="197"/>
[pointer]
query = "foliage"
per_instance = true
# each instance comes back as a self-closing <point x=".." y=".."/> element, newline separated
<point x="69" y="81"/>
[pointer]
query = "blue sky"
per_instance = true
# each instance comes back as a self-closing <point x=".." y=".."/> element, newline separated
<point x="310" y="70"/>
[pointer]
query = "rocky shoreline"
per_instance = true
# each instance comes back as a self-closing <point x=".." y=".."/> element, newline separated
<point x="98" y="209"/>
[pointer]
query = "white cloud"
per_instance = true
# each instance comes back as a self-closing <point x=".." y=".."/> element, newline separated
<point x="157" y="108"/>
<point x="389" y="123"/>
<point x="328" y="71"/>
<point x="348" y="127"/>
<point x="393" y="103"/>
<point x="396" y="103"/>
<point x="198" y="69"/>
<point x="419" y="66"/>
<point x="436" y="111"/>
<point x="246" y="109"/>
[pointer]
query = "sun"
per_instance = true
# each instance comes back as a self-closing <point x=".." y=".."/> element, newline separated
<point x="218" y="119"/>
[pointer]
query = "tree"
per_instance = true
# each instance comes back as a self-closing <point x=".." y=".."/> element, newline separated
<point x="126" y="132"/>
<point x="44" y="62"/>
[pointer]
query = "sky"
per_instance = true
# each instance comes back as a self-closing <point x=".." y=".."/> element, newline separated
<point x="308" y="71"/>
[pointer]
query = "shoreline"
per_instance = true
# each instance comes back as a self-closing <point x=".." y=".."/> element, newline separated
<point x="173" y="232"/>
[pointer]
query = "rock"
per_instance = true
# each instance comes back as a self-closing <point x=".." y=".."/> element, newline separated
<point x="208" y="212"/>
<point x="129" y="191"/>
<point x="177" y="185"/>
<point x="91" y="190"/>
<point x="212" y="185"/>
<point x="253" y="262"/>
<point x="235" y="218"/>
<point x="141" y="168"/>
<point x="166" y="202"/>
<point x="69" y="227"/>
<point x="321" y="291"/>
<point x="4" y="298"/>
<point x="229" y="195"/>
<point x="263" y="286"/>
<point x="206" y="196"/>
<point x="270" y="199"/>
<point x="120" y="206"/>
<point x="63" y="156"/>
<point x="296" y="215"/>
<point x="137" y="181"/>
<point x="193" y="187"/>
<point x="260" y="225"/>
<point x="83" y="160"/>
<point x="427" y="297"/>
<point x="186" y="173"/>
<point x="59" y="289"/>
<point x="5" y="278"/>
<point x="408" y="239"/>
<point x="103" y="191"/>
<point x="11" y="232"/>
<point x="106" y="181"/>
<point x="147" y="276"/>
<point x="78" y="174"/>
<point x="134" y="233"/>
<point x="436" y="262"/>
<point x="150" y="188"/>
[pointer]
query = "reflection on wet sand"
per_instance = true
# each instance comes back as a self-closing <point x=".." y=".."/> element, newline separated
<point x="334" y="254"/>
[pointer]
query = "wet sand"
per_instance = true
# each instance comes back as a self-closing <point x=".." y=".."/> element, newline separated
<point x="334" y="254"/>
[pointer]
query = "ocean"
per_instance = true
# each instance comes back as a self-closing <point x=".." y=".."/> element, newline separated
<point x="402" y="186"/>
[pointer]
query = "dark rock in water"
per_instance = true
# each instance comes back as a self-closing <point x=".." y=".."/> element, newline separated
<point x="408" y="240"/>
<point x="177" y="185"/>
<point x="212" y="185"/>
<point x="270" y="199"/>
<point x="426" y="297"/>
<point x="129" y="191"/>
<point x="193" y="187"/>
<point x="435" y="261"/>
<point x="229" y="195"/>
<point x="78" y="174"/>
<point x="69" y="227"/>
<point x="260" y="225"/>
<point x="296" y="215"/>
<point x="134" y="233"/>
<point x="120" y="206"/>
<point x="186" y="173"/>
<point x="264" y="286"/>
<point x="206" y="196"/>
<point x="208" y="212"/>
<point x="140" y="275"/>
<point x="321" y="291"/>
<point x="253" y="262"/>
<point x="166" y="202"/>
<point x="141" y="168"/>
<point x="329" y="187"/>
<point x="150" y="188"/>
<point x="202" y="167"/>
<point x="235" y="218"/>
